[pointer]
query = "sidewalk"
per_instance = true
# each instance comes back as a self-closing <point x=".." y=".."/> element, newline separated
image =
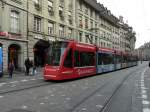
<point x="19" y="75"/>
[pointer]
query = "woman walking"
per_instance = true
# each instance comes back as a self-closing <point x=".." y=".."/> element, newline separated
<point x="11" y="68"/>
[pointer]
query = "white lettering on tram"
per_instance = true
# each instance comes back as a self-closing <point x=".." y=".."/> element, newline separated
<point x="67" y="72"/>
<point x="85" y="71"/>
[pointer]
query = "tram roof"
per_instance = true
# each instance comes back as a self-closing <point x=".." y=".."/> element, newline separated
<point x="106" y="49"/>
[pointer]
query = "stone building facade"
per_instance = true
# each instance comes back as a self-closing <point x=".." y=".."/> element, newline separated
<point x="49" y="20"/>
<point x="13" y="30"/>
<point x="27" y="27"/>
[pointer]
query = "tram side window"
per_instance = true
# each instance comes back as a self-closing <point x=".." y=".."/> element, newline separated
<point x="104" y="59"/>
<point x="87" y="59"/>
<point x="76" y="59"/>
<point x="84" y="59"/>
<point x="68" y="59"/>
<point x="118" y="59"/>
<point x="100" y="61"/>
<point x="125" y="59"/>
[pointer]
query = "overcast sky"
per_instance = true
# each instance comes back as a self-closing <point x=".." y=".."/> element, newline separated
<point x="136" y="13"/>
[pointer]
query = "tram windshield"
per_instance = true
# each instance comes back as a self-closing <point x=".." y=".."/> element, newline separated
<point x="55" y="53"/>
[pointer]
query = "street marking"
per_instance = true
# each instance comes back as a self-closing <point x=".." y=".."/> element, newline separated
<point x="13" y="82"/>
<point x="52" y="103"/>
<point x="63" y="95"/>
<point x="32" y="79"/>
<point x="84" y="109"/>
<point x="52" y="95"/>
<point x="99" y="106"/>
<point x="1" y="96"/>
<point x="146" y="110"/>
<point x="144" y="96"/>
<point x="143" y="92"/>
<point x="13" y="85"/>
<point x="144" y="88"/>
<point x="145" y="102"/>
<point x="68" y="98"/>
<point x="42" y="103"/>
<point x="24" y="107"/>
<point x="1" y="84"/>
<point x="99" y="95"/>
<point x="24" y="80"/>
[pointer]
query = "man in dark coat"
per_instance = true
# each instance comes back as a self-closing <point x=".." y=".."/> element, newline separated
<point x="27" y="65"/>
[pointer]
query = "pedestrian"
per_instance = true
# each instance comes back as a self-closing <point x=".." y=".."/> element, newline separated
<point x="27" y="65"/>
<point x="33" y="68"/>
<point x="11" y="68"/>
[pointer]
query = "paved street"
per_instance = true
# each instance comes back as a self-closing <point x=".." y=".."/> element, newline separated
<point x="125" y="90"/>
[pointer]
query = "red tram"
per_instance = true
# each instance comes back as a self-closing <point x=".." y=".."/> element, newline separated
<point x="69" y="59"/>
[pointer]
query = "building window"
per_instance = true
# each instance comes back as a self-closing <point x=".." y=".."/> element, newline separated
<point x="91" y="13"/>
<point x="70" y="6"/>
<point x="96" y="31"/>
<point x="69" y="18"/>
<point x="91" y="39"/>
<point x="70" y="33"/>
<point x="50" y="28"/>
<point x="104" y="44"/>
<point x="36" y="1"/>
<point x="61" y="2"/>
<point x="80" y="22"/>
<point x="86" y="10"/>
<point x="80" y="5"/>
<point x="37" y="5"/>
<point x="96" y="17"/>
<point x="50" y="7"/>
<point x="87" y="38"/>
<point x="86" y="23"/>
<point x="15" y="22"/>
<point x="61" y="13"/>
<point x="61" y="31"/>
<point x="37" y="24"/>
<point x="96" y="40"/>
<point x="92" y="24"/>
<point x="80" y="36"/>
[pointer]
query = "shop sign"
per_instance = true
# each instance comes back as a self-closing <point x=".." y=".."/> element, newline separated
<point x="14" y="36"/>
<point x="9" y="35"/>
<point x="3" y="33"/>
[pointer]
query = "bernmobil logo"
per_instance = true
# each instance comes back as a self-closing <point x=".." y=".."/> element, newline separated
<point x="3" y="33"/>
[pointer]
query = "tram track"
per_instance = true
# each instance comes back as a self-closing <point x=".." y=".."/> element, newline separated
<point x="107" y="103"/>
<point x="22" y="88"/>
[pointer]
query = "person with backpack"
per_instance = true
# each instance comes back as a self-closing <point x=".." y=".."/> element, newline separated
<point x="11" y="68"/>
